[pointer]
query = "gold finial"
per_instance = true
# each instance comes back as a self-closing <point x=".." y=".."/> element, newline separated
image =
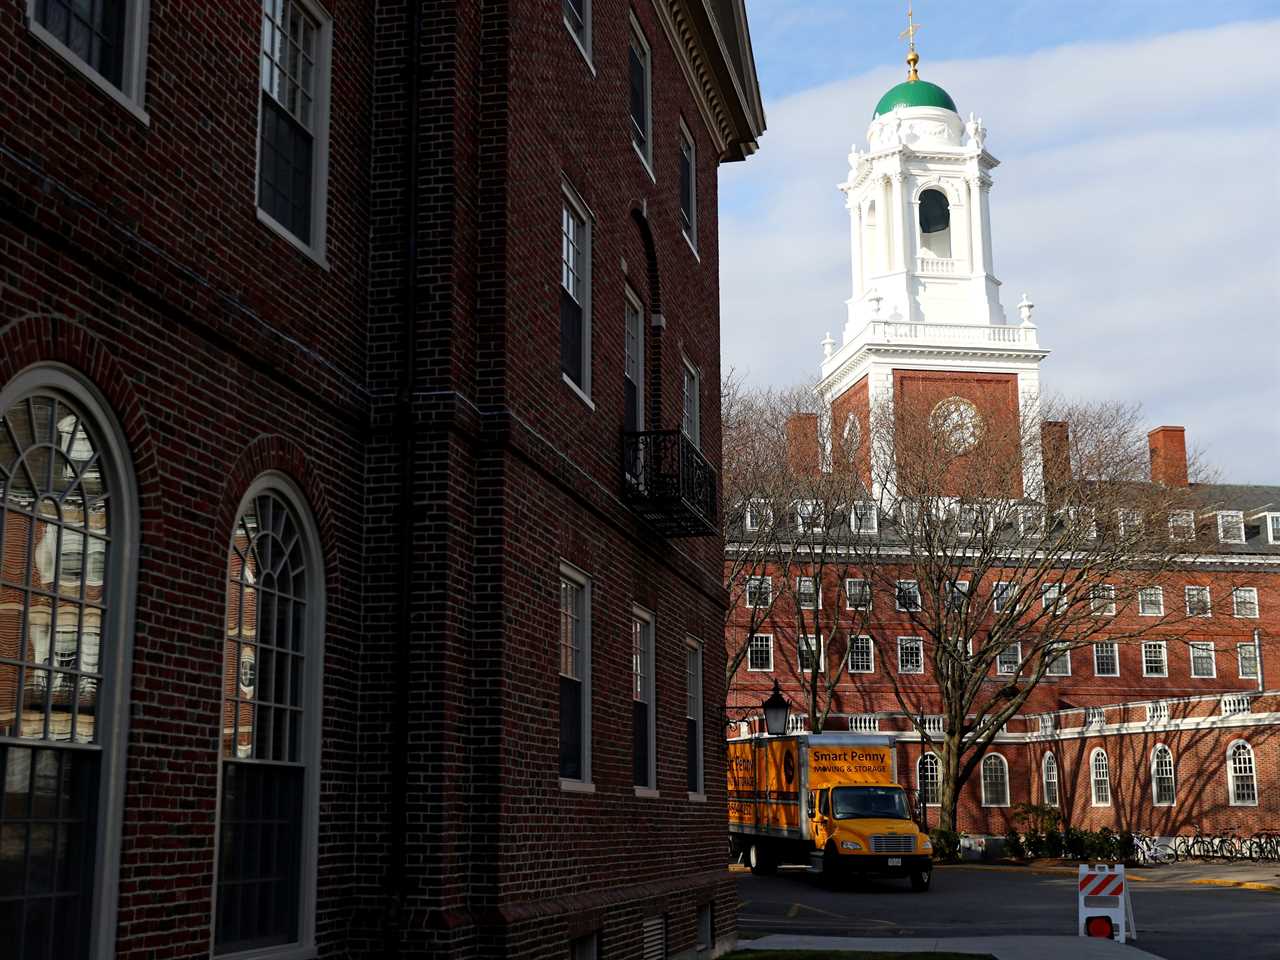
<point x="909" y="35"/>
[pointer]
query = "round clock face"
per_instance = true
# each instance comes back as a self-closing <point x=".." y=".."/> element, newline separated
<point x="957" y="423"/>
<point x="851" y="435"/>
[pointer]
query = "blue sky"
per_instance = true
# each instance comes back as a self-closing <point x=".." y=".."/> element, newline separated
<point x="1136" y="200"/>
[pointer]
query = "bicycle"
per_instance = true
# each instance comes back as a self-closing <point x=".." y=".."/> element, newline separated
<point x="1151" y="851"/>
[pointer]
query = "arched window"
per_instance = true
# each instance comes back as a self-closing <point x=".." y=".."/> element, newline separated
<point x="1049" y="775"/>
<point x="995" y="781"/>
<point x="929" y="779"/>
<point x="1163" y="785"/>
<point x="1241" y="779"/>
<point x="68" y="542"/>
<point x="1100" y="778"/>
<point x="270" y="743"/>
<point x="935" y="224"/>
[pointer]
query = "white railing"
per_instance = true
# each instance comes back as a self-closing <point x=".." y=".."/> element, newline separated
<point x="903" y="331"/>
<point x="864" y="723"/>
<point x="1235" y="703"/>
<point x="937" y="266"/>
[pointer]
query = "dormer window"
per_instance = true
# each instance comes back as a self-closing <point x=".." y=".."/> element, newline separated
<point x="1182" y="525"/>
<point x="1230" y="526"/>
<point x="935" y="224"/>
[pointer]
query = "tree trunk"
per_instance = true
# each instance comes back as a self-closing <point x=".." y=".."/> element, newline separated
<point x="950" y="800"/>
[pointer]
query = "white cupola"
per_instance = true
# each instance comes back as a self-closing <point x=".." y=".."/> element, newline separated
<point x="920" y="222"/>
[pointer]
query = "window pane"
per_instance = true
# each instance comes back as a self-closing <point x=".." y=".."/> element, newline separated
<point x="638" y="68"/>
<point x="284" y="169"/>
<point x="92" y="31"/>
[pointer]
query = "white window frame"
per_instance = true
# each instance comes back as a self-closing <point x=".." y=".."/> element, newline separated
<point x="1063" y="657"/>
<point x="1094" y="779"/>
<point x="572" y="199"/>
<point x="1000" y="599"/>
<point x="1158" y="752"/>
<point x="318" y="246"/>
<point x="1236" y="594"/>
<point x="1052" y="599"/>
<point x="310" y="744"/>
<point x="1253" y="658"/>
<point x="905" y="644"/>
<point x="870" y="530"/>
<point x="757" y="583"/>
<point x="649" y="636"/>
<point x="1145" y="594"/>
<point x="897" y="596"/>
<point x="1102" y="591"/>
<point x="690" y="371"/>
<point x="1164" y="658"/>
<point x="848" y="594"/>
<point x="1115" y="656"/>
<point x="1231" y="775"/>
<point x="1271" y="524"/>
<point x="1047" y="762"/>
<point x="1013" y="649"/>
<point x="1031" y="520"/>
<point x="1230" y="516"/>
<point x="817" y="594"/>
<point x="953" y="588"/>
<point x="131" y="94"/>
<point x="1182" y="525"/>
<point x="645" y="155"/>
<point x="871" y="654"/>
<point x="631" y="300"/>
<point x="116" y="650"/>
<point x="574" y="574"/>
<point x="807" y="642"/>
<point x="760" y="636"/>
<point x="691" y="234"/>
<point x="1202" y="645"/>
<point x="1128" y="521"/>
<point x="937" y="777"/>
<point x="810" y="516"/>
<point x="692" y="646"/>
<point x="583" y="40"/>
<point x="1189" y="592"/>
<point x="751" y="520"/>
<point x="982" y="776"/>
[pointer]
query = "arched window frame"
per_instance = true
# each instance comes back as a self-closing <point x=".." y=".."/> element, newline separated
<point x="116" y="651"/>
<point x="310" y="741"/>
<point x="1232" y="773"/>
<point x="1050" y="763"/>
<point x="937" y="777"/>
<point x="1002" y="801"/>
<point x="1160" y="752"/>
<point x="1094" y="755"/>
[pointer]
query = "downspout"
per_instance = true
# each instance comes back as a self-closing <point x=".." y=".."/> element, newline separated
<point x="405" y="428"/>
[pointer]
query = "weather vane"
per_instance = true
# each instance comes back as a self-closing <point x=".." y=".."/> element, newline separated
<point x="909" y="35"/>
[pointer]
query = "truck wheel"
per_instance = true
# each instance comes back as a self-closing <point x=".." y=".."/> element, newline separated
<point x="920" y="880"/>
<point x="760" y="861"/>
<point x="832" y="869"/>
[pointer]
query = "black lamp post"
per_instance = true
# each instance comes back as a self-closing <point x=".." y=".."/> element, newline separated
<point x="775" y="712"/>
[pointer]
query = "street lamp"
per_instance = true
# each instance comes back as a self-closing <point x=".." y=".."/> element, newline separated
<point x="775" y="712"/>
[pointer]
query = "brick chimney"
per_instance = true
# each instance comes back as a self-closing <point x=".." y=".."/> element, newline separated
<point x="802" y="443"/>
<point x="1168" y="456"/>
<point x="1055" y="452"/>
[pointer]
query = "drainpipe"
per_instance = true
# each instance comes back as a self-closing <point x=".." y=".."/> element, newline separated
<point x="1257" y="656"/>
<point x="406" y="431"/>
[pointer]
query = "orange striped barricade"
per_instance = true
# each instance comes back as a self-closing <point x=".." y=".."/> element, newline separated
<point x="1104" y="907"/>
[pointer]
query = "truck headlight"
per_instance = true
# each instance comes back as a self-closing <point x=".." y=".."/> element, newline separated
<point x="926" y="845"/>
<point x="850" y="845"/>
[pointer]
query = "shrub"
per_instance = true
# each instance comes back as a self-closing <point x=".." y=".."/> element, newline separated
<point x="1013" y="845"/>
<point x="946" y="844"/>
<point x="1054" y="844"/>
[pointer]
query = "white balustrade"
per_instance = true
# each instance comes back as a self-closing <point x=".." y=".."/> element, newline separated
<point x="937" y="266"/>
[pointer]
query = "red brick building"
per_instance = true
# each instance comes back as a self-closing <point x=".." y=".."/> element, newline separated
<point x="360" y="423"/>
<point x="1174" y="730"/>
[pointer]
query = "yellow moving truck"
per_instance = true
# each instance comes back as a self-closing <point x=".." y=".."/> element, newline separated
<point x="828" y="800"/>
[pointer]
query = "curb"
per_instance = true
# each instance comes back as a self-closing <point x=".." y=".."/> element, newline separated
<point x="1010" y="868"/>
<point x="1240" y="884"/>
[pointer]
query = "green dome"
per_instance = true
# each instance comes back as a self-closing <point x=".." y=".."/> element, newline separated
<point x="915" y="93"/>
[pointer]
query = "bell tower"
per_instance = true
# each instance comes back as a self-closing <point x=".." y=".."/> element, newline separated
<point x="924" y="321"/>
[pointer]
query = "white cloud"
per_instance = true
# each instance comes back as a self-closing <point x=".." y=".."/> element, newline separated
<point x="1138" y="202"/>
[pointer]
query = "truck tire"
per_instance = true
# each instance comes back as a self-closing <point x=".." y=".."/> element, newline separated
<point x="920" y="880"/>
<point x="760" y="860"/>
<point x="832" y="868"/>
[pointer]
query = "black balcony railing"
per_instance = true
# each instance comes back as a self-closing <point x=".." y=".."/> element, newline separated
<point x="669" y="483"/>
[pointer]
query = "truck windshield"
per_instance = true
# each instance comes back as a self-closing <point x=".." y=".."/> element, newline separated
<point x="855" y="803"/>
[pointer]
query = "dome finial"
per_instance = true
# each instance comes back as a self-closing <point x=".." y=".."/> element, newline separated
<point x="909" y="35"/>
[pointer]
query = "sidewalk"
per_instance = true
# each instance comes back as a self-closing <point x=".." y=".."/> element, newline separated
<point x="1249" y="876"/>
<point x="1002" y="948"/>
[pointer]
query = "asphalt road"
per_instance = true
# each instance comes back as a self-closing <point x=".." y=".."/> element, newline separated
<point x="1176" y="921"/>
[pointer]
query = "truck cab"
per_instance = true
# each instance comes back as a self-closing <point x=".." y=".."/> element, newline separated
<point x="868" y="829"/>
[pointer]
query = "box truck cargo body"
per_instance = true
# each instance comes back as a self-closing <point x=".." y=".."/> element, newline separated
<point x="830" y="801"/>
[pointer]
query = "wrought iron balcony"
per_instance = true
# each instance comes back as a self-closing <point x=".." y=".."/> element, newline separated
<point x="669" y="483"/>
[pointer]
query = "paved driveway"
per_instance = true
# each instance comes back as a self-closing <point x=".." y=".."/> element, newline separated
<point x="1176" y="920"/>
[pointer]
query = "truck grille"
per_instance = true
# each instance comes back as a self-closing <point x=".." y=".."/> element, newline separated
<point x="882" y="843"/>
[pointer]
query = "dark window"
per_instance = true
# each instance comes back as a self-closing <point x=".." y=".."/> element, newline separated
<point x="573" y="655"/>
<point x="638" y="61"/>
<point x="686" y="185"/>
<point x="633" y="366"/>
<point x="290" y="40"/>
<point x="573" y="325"/>
<point x="576" y="16"/>
<point x="91" y="29"/>
<point x="935" y="212"/>
<point x="693" y="716"/>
